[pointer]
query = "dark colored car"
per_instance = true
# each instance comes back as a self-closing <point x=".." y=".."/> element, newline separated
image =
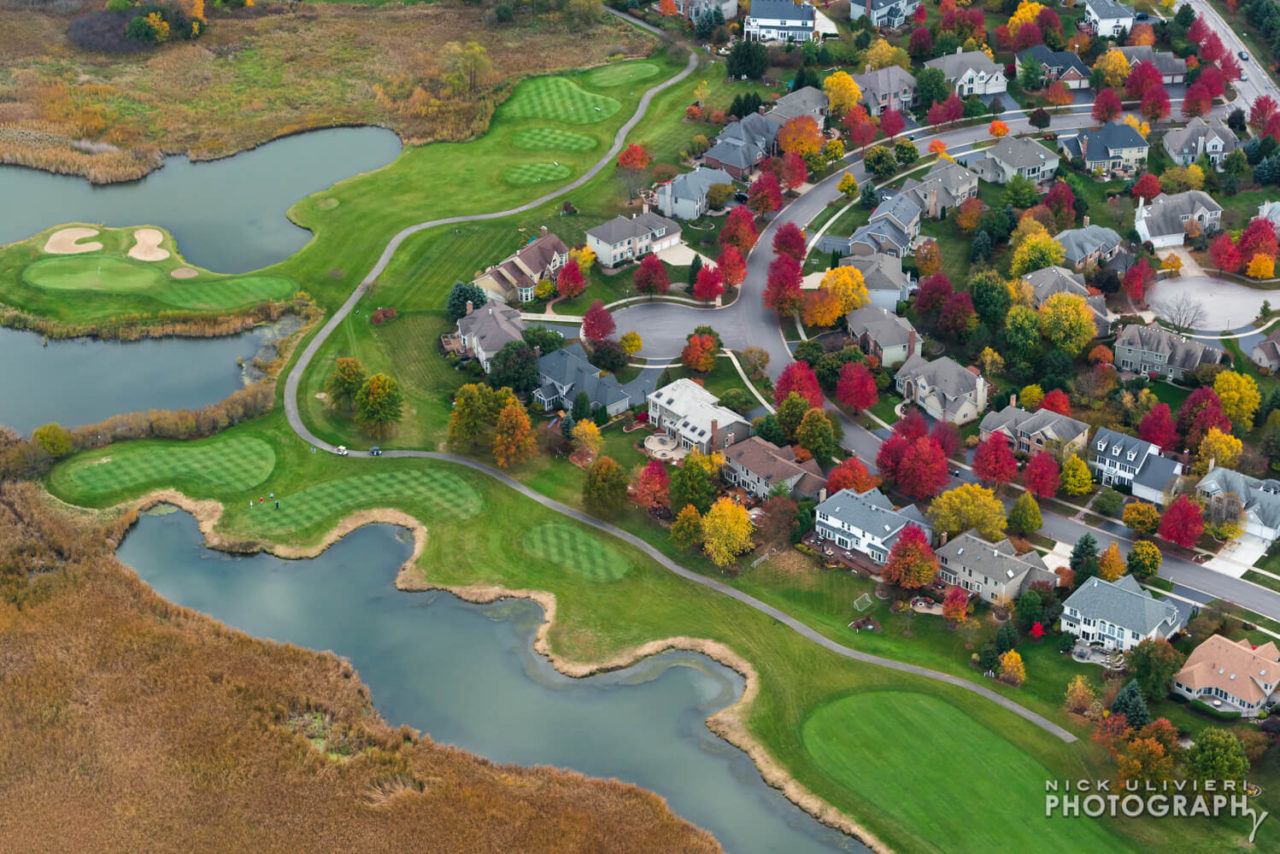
<point x="375" y="451"/>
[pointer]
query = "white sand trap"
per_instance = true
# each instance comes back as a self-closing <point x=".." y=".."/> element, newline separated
<point x="66" y="241"/>
<point x="183" y="272"/>
<point x="146" y="245"/>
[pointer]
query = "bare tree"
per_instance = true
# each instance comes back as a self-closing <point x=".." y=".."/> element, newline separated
<point x="1184" y="312"/>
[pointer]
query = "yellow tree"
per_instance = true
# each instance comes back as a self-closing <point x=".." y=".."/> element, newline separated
<point x="467" y="67"/>
<point x="820" y="308"/>
<point x="1261" y="267"/>
<point x="1076" y="479"/>
<point x="1111" y="564"/>
<point x="1141" y="516"/>
<point x="584" y="255"/>
<point x="848" y="287"/>
<point x="842" y="92"/>
<point x="1028" y="226"/>
<point x="969" y="505"/>
<point x="1222" y="449"/>
<point x="1240" y="398"/>
<point x="991" y="361"/>
<point x="1137" y="124"/>
<point x="513" y="441"/>
<point x="1037" y="252"/>
<point x="848" y="184"/>
<point x="1067" y="322"/>
<point x="1012" y="670"/>
<point x="800" y="135"/>
<point x="1030" y="396"/>
<point x="998" y="129"/>
<point x="1026" y="13"/>
<point x="631" y="343"/>
<point x="726" y="531"/>
<point x="587" y="438"/>
<point x="1114" y="67"/>
<point x="881" y="54"/>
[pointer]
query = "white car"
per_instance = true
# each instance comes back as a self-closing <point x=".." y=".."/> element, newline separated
<point x="342" y="451"/>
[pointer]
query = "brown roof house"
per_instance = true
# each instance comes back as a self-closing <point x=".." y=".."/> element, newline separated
<point x="514" y="279"/>
<point x="1234" y="676"/>
<point x="486" y="330"/>
<point x="943" y="388"/>
<point x="759" y="467"/>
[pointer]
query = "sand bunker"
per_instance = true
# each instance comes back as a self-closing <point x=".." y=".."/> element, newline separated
<point x="66" y="241"/>
<point x="183" y="272"/>
<point x="146" y="245"/>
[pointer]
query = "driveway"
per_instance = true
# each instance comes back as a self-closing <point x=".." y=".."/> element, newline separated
<point x="681" y="255"/>
<point x="1227" y="305"/>
<point x="1237" y="556"/>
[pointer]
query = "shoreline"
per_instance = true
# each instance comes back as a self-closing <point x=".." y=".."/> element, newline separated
<point x="730" y="723"/>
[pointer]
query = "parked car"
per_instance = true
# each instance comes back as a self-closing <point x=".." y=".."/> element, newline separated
<point x="1244" y="54"/>
<point x="375" y="451"/>
<point x="342" y="451"/>
<point x="1141" y="16"/>
<point x="1244" y="78"/>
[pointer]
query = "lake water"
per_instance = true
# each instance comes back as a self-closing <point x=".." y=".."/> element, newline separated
<point x="82" y="380"/>
<point x="227" y="215"/>
<point x="467" y="676"/>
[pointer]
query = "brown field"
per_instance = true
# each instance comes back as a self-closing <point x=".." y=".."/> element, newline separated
<point x="127" y="723"/>
<point x="264" y="73"/>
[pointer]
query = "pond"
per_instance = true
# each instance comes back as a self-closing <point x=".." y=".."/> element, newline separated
<point x="227" y="215"/>
<point x="467" y="675"/>
<point x="83" y="380"/>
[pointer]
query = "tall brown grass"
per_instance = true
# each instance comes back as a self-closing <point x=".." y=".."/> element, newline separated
<point x="130" y="724"/>
<point x="171" y="324"/>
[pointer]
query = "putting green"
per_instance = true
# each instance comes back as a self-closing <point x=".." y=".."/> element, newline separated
<point x="616" y="75"/>
<point x="575" y="550"/>
<point x="438" y="494"/>
<point x="226" y="292"/>
<point x="232" y="464"/>
<point x="879" y="745"/>
<point x="558" y="99"/>
<point x="92" y="273"/>
<point x="536" y="173"/>
<point x="552" y="139"/>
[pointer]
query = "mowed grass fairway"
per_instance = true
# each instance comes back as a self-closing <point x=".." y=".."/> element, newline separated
<point x="553" y="139"/>
<point x="561" y="100"/>
<point x="225" y="463"/>
<point x="106" y="284"/>
<point x="892" y="746"/>
<point x="621" y="74"/>
<point x="536" y="173"/>
<point x="480" y="532"/>
<point x="576" y="551"/>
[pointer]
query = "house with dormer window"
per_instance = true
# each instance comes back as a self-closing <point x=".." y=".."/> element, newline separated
<point x="1118" y="614"/>
<point x="780" y="21"/>
<point x="886" y="88"/>
<point x="994" y="572"/>
<point x="623" y="239"/>
<point x="1032" y="432"/>
<point x="971" y="73"/>
<point x="885" y="14"/>
<point x="693" y="416"/>
<point x="1107" y="18"/>
<point x="565" y="373"/>
<point x="1118" y="459"/>
<point x="1155" y="350"/>
<point x="866" y="523"/>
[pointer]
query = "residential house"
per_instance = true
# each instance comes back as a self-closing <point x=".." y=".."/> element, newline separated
<point x="866" y="523"/>
<point x="1048" y="281"/>
<point x="884" y="14"/>
<point x="1154" y="349"/>
<point x="1164" y="222"/>
<point x="1031" y="432"/>
<point x="1014" y="155"/>
<point x="1271" y="211"/>
<point x="685" y="196"/>
<point x="1210" y="139"/>
<point x="942" y="189"/>
<point x="695" y="9"/>
<point x="623" y="239"/>
<point x="515" y="278"/>
<point x="759" y="467"/>
<point x="943" y="388"/>
<point x="694" y="416"/>
<point x="742" y="145"/>
<point x="995" y="572"/>
<point x="487" y="329"/>
<point x="780" y="21"/>
<point x="1233" y="676"/>
<point x="894" y="225"/>
<point x="1057" y="66"/>
<point x="1118" y="614"/>
<point x="1266" y="354"/>
<point x="886" y="88"/>
<point x="1118" y="459"/>
<point x="883" y="334"/>
<point x="805" y="101"/>
<point x="1107" y="17"/>
<point x="971" y="73"/>
<point x="1113" y="149"/>
<point x="1092" y="245"/>
<point x="1172" y="68"/>
<point x="1260" y="499"/>
<point x="887" y="283"/>
<point x="565" y="373"/>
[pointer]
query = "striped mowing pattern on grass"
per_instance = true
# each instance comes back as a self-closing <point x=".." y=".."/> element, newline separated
<point x="94" y="272"/>
<point x="237" y="463"/>
<point x="434" y="493"/>
<point x="576" y="550"/>
<point x="559" y="99"/>
<point x="552" y="139"/>
<point x="226" y="292"/>
<point x="535" y="173"/>
<point x="616" y="75"/>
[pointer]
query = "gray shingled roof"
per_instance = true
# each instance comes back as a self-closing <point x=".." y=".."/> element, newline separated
<point x="1157" y="472"/>
<point x="1055" y="59"/>
<point x="781" y="9"/>
<point x="943" y="373"/>
<point x="1080" y="243"/>
<point x="998" y="562"/>
<point x="1109" y="9"/>
<point x="494" y="325"/>
<point x="1184" y="353"/>
<point x="694" y="185"/>
<point x="1117" y="446"/>
<point x="1190" y="141"/>
<point x="1019" y="152"/>
<point x="1124" y="603"/>
<point x="880" y="272"/>
<point x="1053" y="425"/>
<point x="1165" y="215"/>
<point x="569" y="367"/>
<point x="1099" y="143"/>
<point x="621" y="228"/>
<point x="871" y="512"/>
<point x="884" y="327"/>
<point x="883" y="81"/>
<point x="802" y="102"/>
<point x="1164" y="61"/>
<point x="1261" y="497"/>
<point x="953" y="65"/>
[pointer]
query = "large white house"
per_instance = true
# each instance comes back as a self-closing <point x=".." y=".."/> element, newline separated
<point x="624" y="239"/>
<point x="685" y="196"/>
<point x="1117" y="614"/>
<point x="780" y="21"/>
<point x="689" y="413"/>
<point x="1234" y="676"/>
<point x="971" y="73"/>
<point x="866" y="523"/>
<point x="889" y="14"/>
<point x="1107" y="17"/>
<point x="1118" y="459"/>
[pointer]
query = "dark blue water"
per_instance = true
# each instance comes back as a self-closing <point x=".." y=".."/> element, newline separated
<point x="227" y="215"/>
<point x="467" y="676"/>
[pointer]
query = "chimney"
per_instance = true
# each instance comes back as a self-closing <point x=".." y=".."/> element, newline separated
<point x="822" y="495"/>
<point x="911" y="343"/>
<point x="868" y="15"/>
<point x="867" y="68"/>
<point x="942" y="539"/>
<point x="1086" y="220"/>
<point x="715" y="427"/>
<point x="470" y="307"/>
<point x="1013" y="399"/>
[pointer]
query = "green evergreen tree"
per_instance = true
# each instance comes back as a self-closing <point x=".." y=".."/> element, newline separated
<point x="1024" y="515"/>
<point x="1129" y="703"/>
